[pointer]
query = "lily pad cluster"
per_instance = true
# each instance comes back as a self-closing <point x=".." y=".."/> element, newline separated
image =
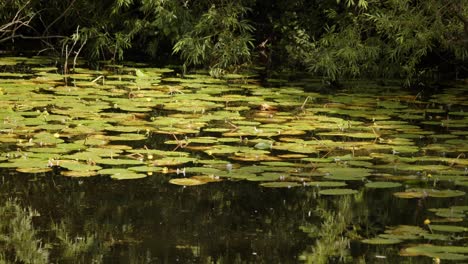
<point x="91" y="123"/>
<point x="442" y="236"/>
<point x="134" y="123"/>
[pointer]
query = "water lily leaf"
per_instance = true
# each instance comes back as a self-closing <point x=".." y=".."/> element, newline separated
<point x="186" y="181"/>
<point x="381" y="241"/>
<point x="441" y="252"/>
<point x="127" y="137"/>
<point x="206" y="178"/>
<point x="266" y="176"/>
<point x="449" y="212"/>
<point x="79" y="173"/>
<point x="401" y="236"/>
<point x="127" y="175"/>
<point x="448" y="228"/>
<point x="25" y="163"/>
<point x="117" y="162"/>
<point x="383" y="184"/>
<point x="420" y="193"/>
<point x="125" y="129"/>
<point x="78" y="166"/>
<point x="326" y="184"/>
<point x="92" y="141"/>
<point x="343" y="178"/>
<point x="430" y="236"/>
<point x="45" y="138"/>
<point x="204" y="170"/>
<point x="173" y="161"/>
<point x="145" y="169"/>
<point x="33" y="170"/>
<point x="280" y="184"/>
<point x="337" y="192"/>
<point x="263" y="145"/>
<point x="404" y="232"/>
<point x="346" y="171"/>
<point x="52" y="150"/>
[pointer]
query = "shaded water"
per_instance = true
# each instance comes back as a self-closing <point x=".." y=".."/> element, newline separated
<point x="265" y="158"/>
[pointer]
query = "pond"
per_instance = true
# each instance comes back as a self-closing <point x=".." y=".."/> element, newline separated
<point x="133" y="164"/>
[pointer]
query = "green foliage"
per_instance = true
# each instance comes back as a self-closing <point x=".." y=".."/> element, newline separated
<point x="335" y="39"/>
<point x="221" y="37"/>
<point x="383" y="38"/>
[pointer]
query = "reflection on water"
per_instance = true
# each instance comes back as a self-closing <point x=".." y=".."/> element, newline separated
<point x="151" y="221"/>
<point x="283" y="174"/>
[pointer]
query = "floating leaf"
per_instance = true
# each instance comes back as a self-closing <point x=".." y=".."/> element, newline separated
<point x="420" y="193"/>
<point x="79" y="173"/>
<point x="280" y="184"/>
<point x="449" y="228"/>
<point x="441" y="252"/>
<point x="128" y="175"/>
<point x="78" y="166"/>
<point x="326" y="184"/>
<point x="186" y="181"/>
<point x="337" y="192"/>
<point x="382" y="184"/>
<point x="381" y="241"/>
<point x="33" y="170"/>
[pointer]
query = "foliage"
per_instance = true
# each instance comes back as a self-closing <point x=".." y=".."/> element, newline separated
<point x="407" y="39"/>
<point x="220" y="38"/>
<point x="384" y="38"/>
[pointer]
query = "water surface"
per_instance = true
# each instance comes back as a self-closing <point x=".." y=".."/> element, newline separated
<point x="133" y="164"/>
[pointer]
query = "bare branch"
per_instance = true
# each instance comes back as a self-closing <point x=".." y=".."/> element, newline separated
<point x="29" y="37"/>
<point x="59" y="17"/>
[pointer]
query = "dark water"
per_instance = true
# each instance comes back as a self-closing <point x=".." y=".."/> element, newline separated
<point x="151" y="221"/>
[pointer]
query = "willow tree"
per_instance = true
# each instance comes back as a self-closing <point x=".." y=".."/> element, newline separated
<point x="336" y="39"/>
<point x="395" y="38"/>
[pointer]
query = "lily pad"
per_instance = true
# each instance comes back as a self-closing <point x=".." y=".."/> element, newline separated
<point x="186" y="181"/>
<point x="382" y="184"/>
<point x="128" y="176"/>
<point x="326" y="184"/>
<point x="449" y="228"/>
<point x="381" y="241"/>
<point x="338" y="192"/>
<point x="421" y="193"/>
<point x="280" y="184"/>
<point x="441" y="252"/>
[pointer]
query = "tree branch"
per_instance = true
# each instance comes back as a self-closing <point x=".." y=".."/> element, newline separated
<point x="59" y="17"/>
<point x="29" y="37"/>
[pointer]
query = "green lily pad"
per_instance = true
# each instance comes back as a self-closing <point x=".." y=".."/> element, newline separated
<point x="118" y="162"/>
<point x="441" y="252"/>
<point x="186" y="181"/>
<point x="78" y="166"/>
<point x="127" y="175"/>
<point x="337" y="192"/>
<point x="382" y="184"/>
<point x="448" y="228"/>
<point x="280" y="184"/>
<point x="326" y="184"/>
<point x="79" y="173"/>
<point x="420" y="193"/>
<point x="33" y="170"/>
<point x="381" y="241"/>
<point x="145" y="169"/>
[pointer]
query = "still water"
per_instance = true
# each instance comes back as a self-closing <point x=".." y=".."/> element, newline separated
<point x="131" y="164"/>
